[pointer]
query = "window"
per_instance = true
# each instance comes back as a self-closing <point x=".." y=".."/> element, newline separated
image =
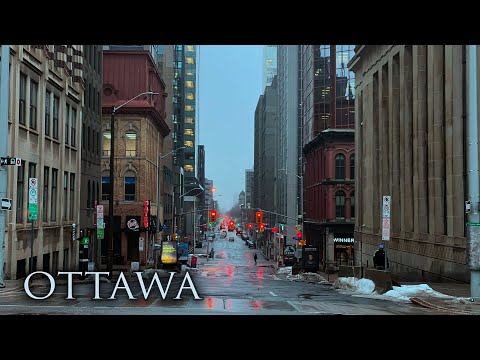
<point x="89" y="195"/>
<point x="340" y="167"/>
<point x="98" y="142"/>
<point x="352" y="205"/>
<point x="105" y="187"/>
<point x="67" y="120"/>
<point x="97" y="193"/>
<point x="22" y="99"/>
<point x="72" y="196"/>
<point x="130" y="143"/>
<point x="189" y="120"/>
<point x="189" y="84"/>
<point x="352" y="167"/>
<point x="83" y="136"/>
<point x="189" y="132"/>
<point x="189" y="108"/>
<point x="56" y="104"/>
<point x="106" y="142"/>
<point x="189" y="60"/>
<point x="48" y="99"/>
<point x="74" y="128"/>
<point x="33" y="104"/>
<point x="20" y="181"/>
<point x="46" y="174"/>
<point x="130" y="186"/>
<point x="189" y="48"/>
<point x="88" y="138"/>
<point x="65" y="195"/>
<point x="189" y="143"/>
<point x="189" y="96"/>
<point x="340" y="205"/>
<point x="188" y="168"/>
<point x="53" y="206"/>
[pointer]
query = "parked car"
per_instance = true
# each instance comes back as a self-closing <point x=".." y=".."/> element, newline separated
<point x="231" y="238"/>
<point x="251" y="244"/>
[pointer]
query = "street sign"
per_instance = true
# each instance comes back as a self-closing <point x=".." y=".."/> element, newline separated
<point x="141" y="243"/>
<point x="6" y="204"/>
<point x="84" y="240"/>
<point x="386" y="218"/>
<point x="10" y="161"/>
<point x="100" y="223"/>
<point x="32" y="198"/>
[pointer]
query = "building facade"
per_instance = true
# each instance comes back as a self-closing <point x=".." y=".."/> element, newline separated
<point x="139" y="134"/>
<point x="248" y="188"/>
<point x="269" y="69"/>
<point x="265" y="165"/>
<point x="45" y="106"/>
<point x="327" y="135"/>
<point x="289" y="194"/>
<point x="90" y="154"/>
<point x="411" y="135"/>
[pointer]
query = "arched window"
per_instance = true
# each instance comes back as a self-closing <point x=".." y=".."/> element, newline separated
<point x="130" y="143"/>
<point x="340" y="205"/>
<point x="340" y="167"/>
<point x="107" y="137"/>
<point x="130" y="181"/>
<point x="352" y="167"/>
<point x="352" y="205"/>
<point x="89" y="194"/>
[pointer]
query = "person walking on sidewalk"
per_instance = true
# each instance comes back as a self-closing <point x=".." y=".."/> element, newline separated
<point x="255" y="258"/>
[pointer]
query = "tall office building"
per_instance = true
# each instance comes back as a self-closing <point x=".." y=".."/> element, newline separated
<point x="91" y="130"/>
<point x="269" y="67"/>
<point x="327" y="133"/>
<point x="265" y="166"/>
<point x="289" y="194"/>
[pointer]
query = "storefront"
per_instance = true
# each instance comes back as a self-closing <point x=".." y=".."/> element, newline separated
<point x="343" y="249"/>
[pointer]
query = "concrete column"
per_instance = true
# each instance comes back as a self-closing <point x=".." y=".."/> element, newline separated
<point x="458" y="139"/>
<point x="401" y="139"/>
<point x="421" y="160"/>
<point x="375" y="155"/>
<point x="430" y="139"/>
<point x="368" y="126"/>
<point x="408" y="139"/>
<point x="449" y="137"/>
<point x="394" y="130"/>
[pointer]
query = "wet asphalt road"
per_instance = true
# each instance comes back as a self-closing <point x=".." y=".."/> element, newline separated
<point x="231" y="283"/>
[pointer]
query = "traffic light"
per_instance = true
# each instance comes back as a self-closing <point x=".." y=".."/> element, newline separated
<point x="299" y="234"/>
<point x="262" y="227"/>
<point x="232" y="223"/>
<point x="213" y="216"/>
<point x="146" y="213"/>
<point x="250" y="226"/>
<point x="259" y="217"/>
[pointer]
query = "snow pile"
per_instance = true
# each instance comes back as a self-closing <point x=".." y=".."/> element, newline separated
<point x="408" y="291"/>
<point x="311" y="277"/>
<point x="354" y="285"/>
<point x="285" y="270"/>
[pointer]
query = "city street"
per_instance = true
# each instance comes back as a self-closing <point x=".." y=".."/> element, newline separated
<point x="230" y="283"/>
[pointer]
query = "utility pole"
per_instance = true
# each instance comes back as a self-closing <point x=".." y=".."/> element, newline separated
<point x="472" y="205"/>
<point x="4" y="88"/>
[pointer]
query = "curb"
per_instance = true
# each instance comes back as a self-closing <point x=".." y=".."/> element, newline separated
<point x="428" y="305"/>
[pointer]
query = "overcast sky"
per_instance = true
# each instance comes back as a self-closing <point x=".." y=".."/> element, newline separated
<point x="230" y="82"/>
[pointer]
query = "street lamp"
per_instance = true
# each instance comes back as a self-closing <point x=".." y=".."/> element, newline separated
<point x="300" y="203"/>
<point x="112" y="180"/>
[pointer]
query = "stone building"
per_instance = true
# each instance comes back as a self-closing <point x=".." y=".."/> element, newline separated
<point x="410" y="140"/>
<point x="45" y="105"/>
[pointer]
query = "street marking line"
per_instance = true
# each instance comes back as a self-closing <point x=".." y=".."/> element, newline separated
<point x="273" y="294"/>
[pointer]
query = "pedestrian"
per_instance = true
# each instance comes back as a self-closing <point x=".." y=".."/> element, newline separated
<point x="379" y="258"/>
<point x="255" y="258"/>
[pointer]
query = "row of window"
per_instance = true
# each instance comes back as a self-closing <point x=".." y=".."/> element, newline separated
<point x="50" y="193"/>
<point x="340" y="205"/>
<point x="92" y="190"/>
<point x="340" y="167"/>
<point x="130" y="143"/>
<point x="90" y="139"/>
<point x="130" y="181"/>
<point x="52" y="111"/>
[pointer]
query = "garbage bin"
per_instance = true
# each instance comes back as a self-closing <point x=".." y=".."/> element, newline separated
<point x="193" y="261"/>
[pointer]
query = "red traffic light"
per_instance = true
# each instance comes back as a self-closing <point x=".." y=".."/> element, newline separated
<point x="250" y="226"/>
<point x="274" y="230"/>
<point x="262" y="227"/>
<point x="299" y="234"/>
<point x="259" y="217"/>
<point x="213" y="216"/>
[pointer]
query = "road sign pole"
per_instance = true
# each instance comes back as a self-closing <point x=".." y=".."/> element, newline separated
<point x="31" y="251"/>
<point x="4" y="91"/>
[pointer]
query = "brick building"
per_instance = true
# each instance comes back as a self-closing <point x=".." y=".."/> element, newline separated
<point x="139" y="134"/>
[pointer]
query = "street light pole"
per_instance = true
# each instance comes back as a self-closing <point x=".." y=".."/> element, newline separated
<point x="112" y="181"/>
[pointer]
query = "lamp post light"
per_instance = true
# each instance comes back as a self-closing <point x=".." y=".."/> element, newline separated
<point x="112" y="180"/>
